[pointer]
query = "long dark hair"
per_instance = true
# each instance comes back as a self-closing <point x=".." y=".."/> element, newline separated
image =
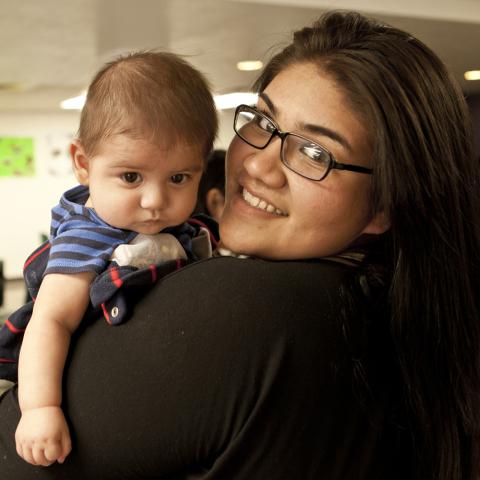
<point x="426" y="180"/>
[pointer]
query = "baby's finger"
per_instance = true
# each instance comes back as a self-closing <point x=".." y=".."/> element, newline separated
<point x="40" y="458"/>
<point x="67" y="448"/>
<point x="26" y="454"/>
<point x="53" y="452"/>
<point x="19" y="449"/>
<point x="21" y="452"/>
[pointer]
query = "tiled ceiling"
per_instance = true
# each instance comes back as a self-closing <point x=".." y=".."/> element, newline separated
<point x="51" y="48"/>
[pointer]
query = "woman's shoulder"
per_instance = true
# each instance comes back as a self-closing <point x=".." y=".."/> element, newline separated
<point x="230" y="270"/>
<point x="261" y="295"/>
<point x="262" y="281"/>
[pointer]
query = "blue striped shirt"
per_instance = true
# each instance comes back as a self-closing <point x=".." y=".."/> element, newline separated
<point x="81" y="241"/>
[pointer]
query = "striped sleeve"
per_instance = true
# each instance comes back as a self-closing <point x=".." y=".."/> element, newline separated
<point x="83" y="247"/>
<point x="87" y="249"/>
<point x="80" y="240"/>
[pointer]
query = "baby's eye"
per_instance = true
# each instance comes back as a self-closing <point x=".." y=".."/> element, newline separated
<point x="131" y="177"/>
<point x="179" y="178"/>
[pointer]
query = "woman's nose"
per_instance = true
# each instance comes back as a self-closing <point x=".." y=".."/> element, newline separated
<point x="153" y="198"/>
<point x="266" y="165"/>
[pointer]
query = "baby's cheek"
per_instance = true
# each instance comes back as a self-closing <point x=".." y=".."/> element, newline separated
<point x="191" y="200"/>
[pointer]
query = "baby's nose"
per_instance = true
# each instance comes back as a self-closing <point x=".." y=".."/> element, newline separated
<point x="153" y="198"/>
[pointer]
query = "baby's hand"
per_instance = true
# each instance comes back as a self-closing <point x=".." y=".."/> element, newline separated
<point x="42" y="436"/>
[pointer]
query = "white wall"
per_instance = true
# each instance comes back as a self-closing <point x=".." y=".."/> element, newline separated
<point x="26" y="201"/>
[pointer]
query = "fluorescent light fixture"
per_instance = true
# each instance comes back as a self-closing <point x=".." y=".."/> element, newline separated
<point x="74" y="103"/>
<point x="472" y="75"/>
<point x="249" y="65"/>
<point x="222" y="102"/>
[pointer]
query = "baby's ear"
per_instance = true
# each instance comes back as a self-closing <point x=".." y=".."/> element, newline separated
<point x="215" y="200"/>
<point x="79" y="161"/>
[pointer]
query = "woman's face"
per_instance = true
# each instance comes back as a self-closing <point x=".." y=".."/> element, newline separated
<point x="272" y="212"/>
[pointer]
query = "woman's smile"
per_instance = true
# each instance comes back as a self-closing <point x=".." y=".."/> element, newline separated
<point x="261" y="204"/>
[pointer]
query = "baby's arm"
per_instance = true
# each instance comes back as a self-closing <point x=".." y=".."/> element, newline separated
<point x="42" y="434"/>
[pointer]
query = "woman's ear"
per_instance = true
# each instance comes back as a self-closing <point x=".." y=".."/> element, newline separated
<point x="379" y="224"/>
<point x="79" y="161"/>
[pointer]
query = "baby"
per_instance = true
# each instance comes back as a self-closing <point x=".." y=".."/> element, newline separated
<point x="148" y="124"/>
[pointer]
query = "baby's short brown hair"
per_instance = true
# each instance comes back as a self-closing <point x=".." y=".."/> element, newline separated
<point x="151" y="95"/>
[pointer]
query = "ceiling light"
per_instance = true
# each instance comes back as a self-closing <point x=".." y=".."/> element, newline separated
<point x="222" y="102"/>
<point x="472" y="75"/>
<point x="74" y="103"/>
<point x="249" y="65"/>
<point x="232" y="100"/>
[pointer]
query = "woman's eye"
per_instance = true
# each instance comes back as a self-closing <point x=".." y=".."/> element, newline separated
<point x="179" y="178"/>
<point x="314" y="153"/>
<point x="265" y="124"/>
<point x="131" y="177"/>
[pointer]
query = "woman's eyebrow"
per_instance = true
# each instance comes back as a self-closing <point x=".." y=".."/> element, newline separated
<point x="319" y="130"/>
<point x="269" y="103"/>
<point x="309" y="127"/>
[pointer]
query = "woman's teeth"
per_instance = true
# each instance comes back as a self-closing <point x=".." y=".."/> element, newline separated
<point x="261" y="204"/>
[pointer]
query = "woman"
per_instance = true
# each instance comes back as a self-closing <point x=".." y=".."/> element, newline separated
<point x="346" y="344"/>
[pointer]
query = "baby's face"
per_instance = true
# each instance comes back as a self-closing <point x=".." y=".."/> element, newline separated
<point x="136" y="185"/>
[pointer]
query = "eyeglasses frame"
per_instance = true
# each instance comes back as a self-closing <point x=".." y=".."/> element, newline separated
<point x="332" y="164"/>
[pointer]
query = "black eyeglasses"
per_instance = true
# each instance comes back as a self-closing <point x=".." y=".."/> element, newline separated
<point x="301" y="155"/>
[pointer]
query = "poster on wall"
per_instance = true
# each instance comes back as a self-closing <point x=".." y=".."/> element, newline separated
<point x="16" y="157"/>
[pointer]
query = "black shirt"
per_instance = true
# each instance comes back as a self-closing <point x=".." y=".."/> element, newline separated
<point x="231" y="369"/>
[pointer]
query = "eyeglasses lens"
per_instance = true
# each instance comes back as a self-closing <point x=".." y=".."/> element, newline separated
<point x="305" y="157"/>
<point x="253" y="128"/>
<point x="299" y="154"/>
